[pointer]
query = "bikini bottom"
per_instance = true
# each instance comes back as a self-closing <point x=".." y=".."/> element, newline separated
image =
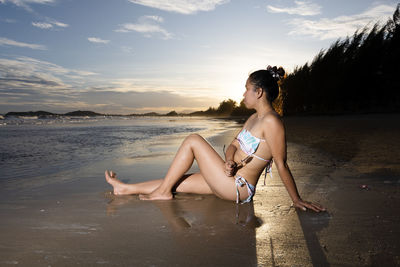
<point x="251" y="189"/>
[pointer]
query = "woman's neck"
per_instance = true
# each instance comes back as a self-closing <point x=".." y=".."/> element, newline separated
<point x="263" y="109"/>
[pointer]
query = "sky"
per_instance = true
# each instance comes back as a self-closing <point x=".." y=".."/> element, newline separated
<point x="137" y="56"/>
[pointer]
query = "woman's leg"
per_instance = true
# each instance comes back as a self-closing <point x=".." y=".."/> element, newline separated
<point x="121" y="188"/>
<point x="210" y="180"/>
<point x="211" y="170"/>
<point x="191" y="183"/>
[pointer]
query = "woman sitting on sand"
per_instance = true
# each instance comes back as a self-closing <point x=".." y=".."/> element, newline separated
<point x="261" y="140"/>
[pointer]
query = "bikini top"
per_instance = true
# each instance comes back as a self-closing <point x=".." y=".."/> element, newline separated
<point x="249" y="143"/>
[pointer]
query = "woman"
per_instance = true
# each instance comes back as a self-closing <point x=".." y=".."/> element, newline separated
<point x="261" y="140"/>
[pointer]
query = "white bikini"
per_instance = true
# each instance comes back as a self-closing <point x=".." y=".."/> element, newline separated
<point x="249" y="144"/>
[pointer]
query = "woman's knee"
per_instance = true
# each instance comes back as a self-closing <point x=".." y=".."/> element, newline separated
<point x="193" y="138"/>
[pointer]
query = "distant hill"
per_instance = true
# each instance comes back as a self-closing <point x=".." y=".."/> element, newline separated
<point x="146" y="114"/>
<point x="82" y="113"/>
<point x="45" y="113"/>
<point x="31" y="113"/>
<point x="172" y="113"/>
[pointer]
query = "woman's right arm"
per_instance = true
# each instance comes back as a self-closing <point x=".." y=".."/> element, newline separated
<point x="230" y="164"/>
<point x="275" y="137"/>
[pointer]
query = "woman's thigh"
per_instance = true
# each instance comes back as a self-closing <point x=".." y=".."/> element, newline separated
<point x="196" y="184"/>
<point x="193" y="183"/>
<point x="212" y="169"/>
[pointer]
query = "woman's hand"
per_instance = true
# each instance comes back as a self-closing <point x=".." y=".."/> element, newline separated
<point x="230" y="168"/>
<point x="304" y="205"/>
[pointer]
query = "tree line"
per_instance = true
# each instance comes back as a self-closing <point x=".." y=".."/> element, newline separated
<point x="358" y="74"/>
<point x="226" y="108"/>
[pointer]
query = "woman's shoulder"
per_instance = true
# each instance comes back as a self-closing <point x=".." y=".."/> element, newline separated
<point x="272" y="120"/>
<point x="272" y="117"/>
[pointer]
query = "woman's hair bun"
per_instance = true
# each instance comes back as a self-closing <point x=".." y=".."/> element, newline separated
<point x="277" y="73"/>
<point x="268" y="80"/>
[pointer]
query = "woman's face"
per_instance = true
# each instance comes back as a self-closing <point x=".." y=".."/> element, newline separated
<point x="250" y="95"/>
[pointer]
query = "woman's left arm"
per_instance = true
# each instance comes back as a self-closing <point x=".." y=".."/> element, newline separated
<point x="275" y="136"/>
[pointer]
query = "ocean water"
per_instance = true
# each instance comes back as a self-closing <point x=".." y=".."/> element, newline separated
<point x="32" y="147"/>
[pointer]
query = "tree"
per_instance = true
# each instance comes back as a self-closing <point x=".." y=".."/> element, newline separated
<point x="226" y="107"/>
<point x="357" y="74"/>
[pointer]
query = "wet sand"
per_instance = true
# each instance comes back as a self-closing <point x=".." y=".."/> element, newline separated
<point x="350" y="164"/>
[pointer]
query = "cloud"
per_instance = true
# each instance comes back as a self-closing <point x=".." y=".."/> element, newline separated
<point x="326" y="28"/>
<point x="30" y="84"/>
<point x="26" y="3"/>
<point x="25" y="73"/>
<point x="302" y="8"/>
<point x="9" y="42"/>
<point x="147" y="25"/>
<point x="182" y="6"/>
<point x="98" y="40"/>
<point x="50" y="24"/>
<point x="35" y="65"/>
<point x="59" y="24"/>
<point x="139" y="101"/>
<point x="42" y="25"/>
<point x="155" y="18"/>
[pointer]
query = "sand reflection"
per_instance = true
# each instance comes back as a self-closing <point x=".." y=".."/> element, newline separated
<point x="203" y="229"/>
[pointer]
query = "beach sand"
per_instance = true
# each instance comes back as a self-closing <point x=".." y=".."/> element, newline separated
<point x="350" y="164"/>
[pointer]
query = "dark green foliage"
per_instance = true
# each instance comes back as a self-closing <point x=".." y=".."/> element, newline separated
<point x="357" y="74"/>
<point x="241" y="110"/>
<point x="226" y="107"/>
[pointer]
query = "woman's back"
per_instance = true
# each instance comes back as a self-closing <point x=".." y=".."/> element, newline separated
<point x="256" y="163"/>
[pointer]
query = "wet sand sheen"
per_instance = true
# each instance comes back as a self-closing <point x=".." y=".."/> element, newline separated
<point x="77" y="221"/>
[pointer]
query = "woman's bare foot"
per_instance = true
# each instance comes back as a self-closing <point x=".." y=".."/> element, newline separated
<point x="157" y="194"/>
<point x="118" y="186"/>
